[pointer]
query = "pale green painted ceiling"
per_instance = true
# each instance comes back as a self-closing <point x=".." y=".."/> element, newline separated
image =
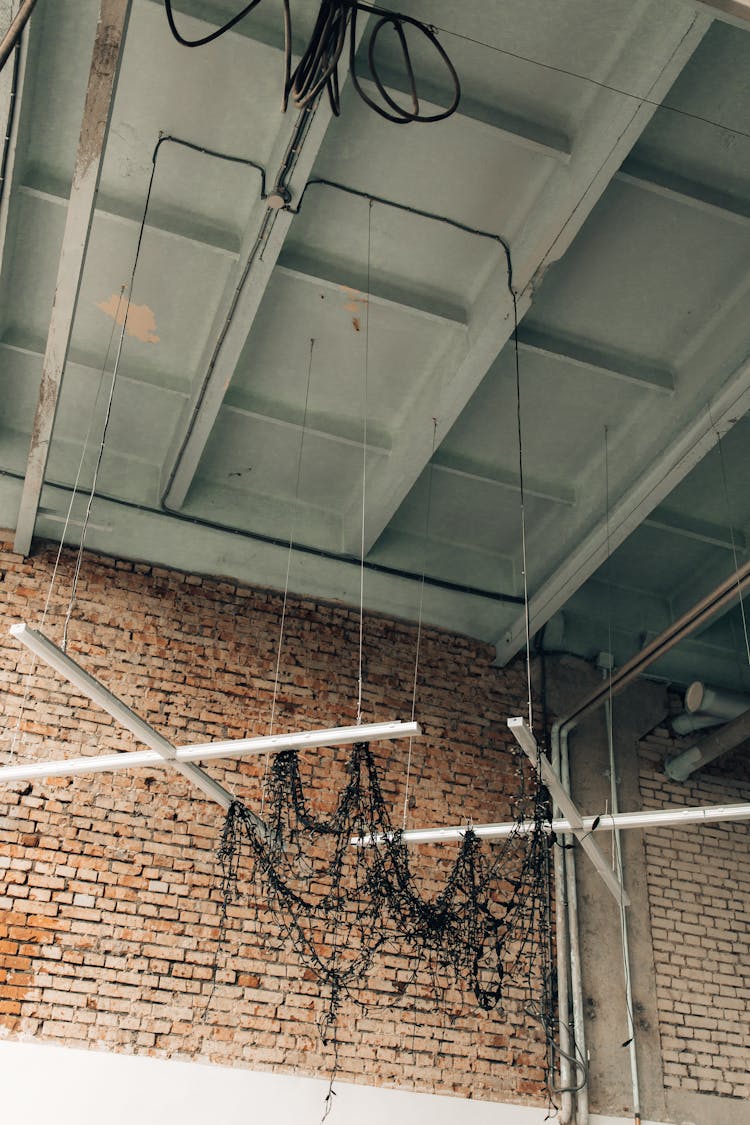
<point x="629" y="230"/>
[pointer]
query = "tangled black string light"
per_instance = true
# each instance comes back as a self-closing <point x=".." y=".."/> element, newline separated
<point x="341" y="906"/>
<point x="317" y="69"/>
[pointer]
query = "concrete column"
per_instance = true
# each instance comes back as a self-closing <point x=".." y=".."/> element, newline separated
<point x="636" y="711"/>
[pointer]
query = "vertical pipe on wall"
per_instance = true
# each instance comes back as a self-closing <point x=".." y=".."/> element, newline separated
<point x="576" y="984"/>
<point x="617" y="846"/>
<point x="567" y="1046"/>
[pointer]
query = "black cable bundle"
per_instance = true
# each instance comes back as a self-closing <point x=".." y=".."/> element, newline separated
<point x="342" y="905"/>
<point x="318" y="66"/>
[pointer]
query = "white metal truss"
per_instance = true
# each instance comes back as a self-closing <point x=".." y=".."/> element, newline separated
<point x="162" y="752"/>
<point x="182" y="759"/>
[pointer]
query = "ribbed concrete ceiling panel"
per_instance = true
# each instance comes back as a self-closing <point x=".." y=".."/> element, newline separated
<point x="689" y="146"/>
<point x="418" y="174"/>
<point x="639" y="252"/>
<point x="551" y="389"/>
<point x="402" y="349"/>
<point x="427" y="263"/>
<point x="628" y="230"/>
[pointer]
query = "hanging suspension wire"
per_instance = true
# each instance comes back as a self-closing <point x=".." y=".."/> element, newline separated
<point x="108" y="412"/>
<point x="419" y="619"/>
<point x="292" y="531"/>
<point x="519" y="430"/>
<point x="63" y="539"/>
<point x="364" y="469"/>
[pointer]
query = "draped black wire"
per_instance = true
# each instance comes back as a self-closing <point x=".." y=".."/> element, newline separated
<point x="318" y="67"/>
<point x="484" y="933"/>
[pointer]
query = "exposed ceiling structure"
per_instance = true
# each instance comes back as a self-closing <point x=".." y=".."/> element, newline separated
<point x="607" y="144"/>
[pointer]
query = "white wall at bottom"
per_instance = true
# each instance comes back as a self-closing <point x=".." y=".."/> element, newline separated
<point x="44" y="1083"/>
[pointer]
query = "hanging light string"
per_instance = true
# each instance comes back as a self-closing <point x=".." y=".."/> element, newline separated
<point x="292" y="532"/>
<point x="419" y="619"/>
<point x="108" y="412"/>
<point x="526" y="613"/>
<point x="63" y="539"/>
<point x="732" y="536"/>
<point x="364" y="468"/>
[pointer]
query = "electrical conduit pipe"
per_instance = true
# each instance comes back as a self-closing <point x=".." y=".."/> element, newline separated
<point x="719" y="599"/>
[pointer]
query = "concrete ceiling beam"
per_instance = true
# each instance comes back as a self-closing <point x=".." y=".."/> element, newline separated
<point x="11" y="93"/>
<point x="735" y="12"/>
<point x="521" y="131"/>
<point x="654" y="485"/>
<point x="445" y="463"/>
<point x="297" y="144"/>
<point x="133" y="379"/>
<point x="100" y="92"/>
<point x="340" y="436"/>
<point x="679" y="189"/>
<point x="107" y="213"/>
<point x="568" y="198"/>
<point x="442" y="396"/>
<point x="700" y="531"/>
<point x="611" y="128"/>
<point x="381" y="295"/>
<point x="593" y="359"/>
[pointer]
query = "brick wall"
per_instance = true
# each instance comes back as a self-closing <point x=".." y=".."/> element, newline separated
<point x="699" y="893"/>
<point x="108" y="897"/>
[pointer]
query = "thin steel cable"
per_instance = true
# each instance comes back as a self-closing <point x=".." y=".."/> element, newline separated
<point x="364" y="467"/>
<point x="53" y="578"/>
<point x="292" y="531"/>
<point x="641" y="99"/>
<point x="526" y="613"/>
<point x="732" y="537"/>
<point x="419" y="619"/>
<point x="108" y="413"/>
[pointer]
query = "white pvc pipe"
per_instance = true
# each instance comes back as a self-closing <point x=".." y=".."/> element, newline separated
<point x="206" y="751"/>
<point x="163" y="752"/>
<point x="568" y="1078"/>
<point x="97" y="693"/>
<point x="700" y="699"/>
<point x="605" y="822"/>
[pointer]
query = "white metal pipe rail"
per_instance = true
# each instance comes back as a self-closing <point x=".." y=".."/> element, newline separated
<point x="162" y="752"/>
<point x="207" y="751"/>
<point x="605" y="822"/>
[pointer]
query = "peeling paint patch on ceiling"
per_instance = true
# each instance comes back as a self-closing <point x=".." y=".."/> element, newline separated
<point x="139" y="320"/>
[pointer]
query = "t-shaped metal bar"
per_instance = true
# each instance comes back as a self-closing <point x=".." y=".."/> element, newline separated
<point x="47" y="651"/>
<point x="525" y="739"/>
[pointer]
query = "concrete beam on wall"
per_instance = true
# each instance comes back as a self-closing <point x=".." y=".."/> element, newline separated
<point x="689" y="193"/>
<point x="735" y="12"/>
<point x="654" y="485"/>
<point x="296" y="147"/>
<point x="102" y="83"/>
<point x="589" y="358"/>
<point x="569" y="196"/>
<point x="11" y="94"/>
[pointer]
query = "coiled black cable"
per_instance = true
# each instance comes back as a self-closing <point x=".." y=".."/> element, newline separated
<point x="318" y="67"/>
<point x="213" y="34"/>
<point x="396" y="113"/>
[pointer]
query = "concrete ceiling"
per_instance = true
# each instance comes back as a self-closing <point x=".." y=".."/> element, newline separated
<point x="607" y="144"/>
